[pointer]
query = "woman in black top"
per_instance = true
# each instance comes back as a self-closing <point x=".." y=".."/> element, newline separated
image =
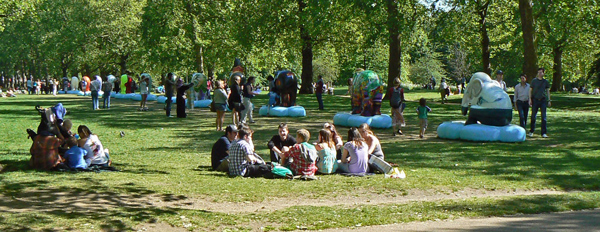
<point x="235" y="100"/>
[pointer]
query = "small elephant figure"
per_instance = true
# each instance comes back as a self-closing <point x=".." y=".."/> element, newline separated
<point x="488" y="102"/>
<point x="367" y="93"/>
<point x="200" y="88"/>
<point x="286" y="85"/>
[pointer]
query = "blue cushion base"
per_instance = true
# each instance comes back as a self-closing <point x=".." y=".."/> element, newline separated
<point x="279" y="111"/>
<point x="481" y="133"/>
<point x="383" y="121"/>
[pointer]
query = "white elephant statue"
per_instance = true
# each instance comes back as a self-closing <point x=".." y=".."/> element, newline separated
<point x="488" y="102"/>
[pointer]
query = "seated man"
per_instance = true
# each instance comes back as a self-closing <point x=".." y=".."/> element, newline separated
<point x="220" y="150"/>
<point x="304" y="155"/>
<point x="279" y="142"/>
<point x="75" y="155"/>
<point x="243" y="161"/>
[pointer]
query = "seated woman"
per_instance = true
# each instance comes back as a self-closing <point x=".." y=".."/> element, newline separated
<point x="336" y="138"/>
<point x="371" y="140"/>
<point x="355" y="155"/>
<point x="327" y="162"/>
<point x="95" y="151"/>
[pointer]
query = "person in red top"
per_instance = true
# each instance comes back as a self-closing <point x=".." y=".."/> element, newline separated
<point x="304" y="155"/>
<point x="319" y="91"/>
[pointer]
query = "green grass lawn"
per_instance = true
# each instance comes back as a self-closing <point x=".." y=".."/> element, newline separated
<point x="169" y="159"/>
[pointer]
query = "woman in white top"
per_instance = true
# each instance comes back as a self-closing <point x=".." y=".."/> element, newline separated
<point x="96" y="154"/>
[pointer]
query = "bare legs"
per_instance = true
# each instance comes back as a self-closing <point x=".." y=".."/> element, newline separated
<point x="220" y="119"/>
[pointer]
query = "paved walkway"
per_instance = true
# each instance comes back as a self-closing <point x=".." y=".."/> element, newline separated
<point x="576" y="221"/>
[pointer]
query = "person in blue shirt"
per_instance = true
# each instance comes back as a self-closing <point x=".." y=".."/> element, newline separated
<point x="75" y="155"/>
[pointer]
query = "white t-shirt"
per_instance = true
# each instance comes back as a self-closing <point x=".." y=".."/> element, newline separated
<point x="95" y="150"/>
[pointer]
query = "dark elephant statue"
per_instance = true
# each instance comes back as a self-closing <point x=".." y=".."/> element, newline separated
<point x="286" y="85"/>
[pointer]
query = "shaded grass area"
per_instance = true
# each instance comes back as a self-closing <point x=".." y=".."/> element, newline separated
<point x="170" y="158"/>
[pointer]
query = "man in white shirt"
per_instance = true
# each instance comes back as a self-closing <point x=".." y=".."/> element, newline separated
<point x="521" y="100"/>
<point x="500" y="79"/>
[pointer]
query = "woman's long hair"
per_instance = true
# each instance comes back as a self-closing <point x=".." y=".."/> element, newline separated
<point x="355" y="137"/>
<point x="326" y="138"/>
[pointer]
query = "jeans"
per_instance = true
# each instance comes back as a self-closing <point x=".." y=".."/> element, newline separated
<point x="29" y="90"/>
<point x="320" y="100"/>
<point x="523" y="109"/>
<point x="95" y="101"/>
<point x="106" y="100"/>
<point x="247" y="112"/>
<point x="538" y="104"/>
<point x="169" y="101"/>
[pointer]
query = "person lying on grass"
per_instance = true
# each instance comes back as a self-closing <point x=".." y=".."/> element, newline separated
<point x="304" y="155"/>
<point x="95" y="151"/>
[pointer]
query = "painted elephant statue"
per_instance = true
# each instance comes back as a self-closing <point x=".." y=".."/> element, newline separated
<point x="123" y="83"/>
<point x="75" y="83"/>
<point x="286" y="85"/>
<point x="200" y="89"/>
<point x="488" y="102"/>
<point x="367" y="93"/>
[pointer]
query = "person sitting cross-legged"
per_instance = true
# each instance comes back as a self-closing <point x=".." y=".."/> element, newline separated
<point x="243" y="161"/>
<point x="75" y="156"/>
<point x="304" y="155"/>
<point x="220" y="150"/>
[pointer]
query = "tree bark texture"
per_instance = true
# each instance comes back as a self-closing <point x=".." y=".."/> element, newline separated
<point x="307" y="55"/>
<point x="529" y="46"/>
<point x="485" y="39"/>
<point x="395" y="56"/>
<point x="557" y="52"/>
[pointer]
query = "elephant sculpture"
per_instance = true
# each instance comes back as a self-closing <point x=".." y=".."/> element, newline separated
<point x="123" y="83"/>
<point x="75" y="83"/>
<point x="286" y="86"/>
<point x="367" y="93"/>
<point x="488" y="102"/>
<point x="200" y="88"/>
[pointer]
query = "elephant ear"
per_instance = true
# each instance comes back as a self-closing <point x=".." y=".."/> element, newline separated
<point x="475" y="88"/>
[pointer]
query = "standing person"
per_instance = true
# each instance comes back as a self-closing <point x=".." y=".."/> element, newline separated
<point x="95" y="87"/>
<point x="235" y="100"/>
<point x="539" y="99"/>
<point x="220" y="150"/>
<point x="304" y="155"/>
<point x="107" y="88"/>
<point x="180" y="101"/>
<point x="521" y="100"/>
<point x="356" y="152"/>
<point x="144" y="90"/>
<point x="248" y="94"/>
<point x="500" y="79"/>
<point x="30" y="86"/>
<point x="54" y="84"/>
<point x="326" y="150"/>
<point x="319" y="91"/>
<point x="444" y="90"/>
<point x="220" y="102"/>
<point x="422" y="111"/>
<point x="280" y="142"/>
<point x="169" y="82"/>
<point x="243" y="161"/>
<point x="432" y="82"/>
<point x="350" y="89"/>
<point x="398" y="105"/>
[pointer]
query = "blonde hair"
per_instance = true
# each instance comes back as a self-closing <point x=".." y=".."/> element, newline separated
<point x="304" y="134"/>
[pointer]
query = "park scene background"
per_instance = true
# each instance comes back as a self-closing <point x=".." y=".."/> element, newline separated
<point x="165" y="177"/>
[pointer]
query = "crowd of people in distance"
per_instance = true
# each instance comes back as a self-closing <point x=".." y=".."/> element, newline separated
<point x="235" y="154"/>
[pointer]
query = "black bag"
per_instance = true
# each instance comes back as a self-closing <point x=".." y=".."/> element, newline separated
<point x="239" y="106"/>
<point x="212" y="107"/>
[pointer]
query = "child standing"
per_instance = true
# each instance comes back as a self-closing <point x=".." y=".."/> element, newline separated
<point x="422" y="111"/>
<point x="144" y="90"/>
<point x="398" y="105"/>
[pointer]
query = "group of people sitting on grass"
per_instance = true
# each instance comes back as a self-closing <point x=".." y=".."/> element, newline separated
<point x="234" y="152"/>
<point x="55" y="147"/>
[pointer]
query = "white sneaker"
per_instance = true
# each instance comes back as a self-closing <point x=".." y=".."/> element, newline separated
<point x="530" y="134"/>
<point x="544" y="136"/>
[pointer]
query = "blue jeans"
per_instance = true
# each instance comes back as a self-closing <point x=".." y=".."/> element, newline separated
<point x="169" y="101"/>
<point x="106" y="100"/>
<point x="523" y="109"/>
<point x="320" y="100"/>
<point x="538" y="104"/>
<point x="95" y="101"/>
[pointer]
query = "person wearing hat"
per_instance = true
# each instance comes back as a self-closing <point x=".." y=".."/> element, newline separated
<point x="220" y="150"/>
<point x="500" y="79"/>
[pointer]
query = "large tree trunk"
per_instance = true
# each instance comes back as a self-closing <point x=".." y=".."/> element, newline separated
<point x="199" y="58"/>
<point x="307" y="56"/>
<point x="485" y="39"/>
<point x="395" y="56"/>
<point x="557" y="67"/>
<point x="123" y="63"/>
<point x="529" y="47"/>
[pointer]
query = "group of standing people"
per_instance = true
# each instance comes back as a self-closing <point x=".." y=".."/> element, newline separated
<point x="234" y="152"/>
<point x="237" y="97"/>
<point x="535" y="95"/>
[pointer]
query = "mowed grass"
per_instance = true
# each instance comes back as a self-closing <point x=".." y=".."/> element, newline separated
<point x="169" y="158"/>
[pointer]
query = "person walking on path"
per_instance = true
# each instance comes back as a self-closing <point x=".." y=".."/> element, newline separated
<point x="319" y="91"/>
<point x="539" y="99"/>
<point x="422" y="111"/>
<point x="398" y="105"/>
<point x="95" y="87"/>
<point x="107" y="88"/>
<point x="521" y="100"/>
